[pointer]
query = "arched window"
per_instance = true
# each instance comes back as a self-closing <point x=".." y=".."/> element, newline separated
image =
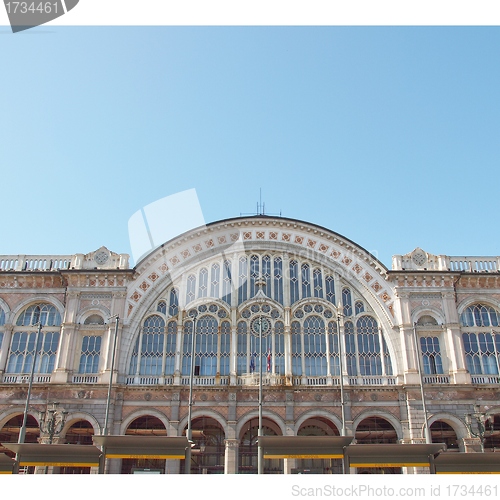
<point x="206" y="346"/>
<point x="370" y="362"/>
<point x="242" y="279"/>
<point x="242" y="348"/>
<point x="481" y="352"/>
<point x="152" y="339"/>
<point x="191" y="288"/>
<point x="225" y="344"/>
<point x="161" y="307"/>
<point x="296" y="349"/>
<point x="227" y="282"/>
<point x="347" y="302"/>
<point x="294" y="281"/>
<point x="215" y="281"/>
<point x="330" y="289"/>
<point x="315" y="346"/>
<point x="22" y="347"/>
<point x="479" y="315"/>
<point x="89" y="357"/>
<point x="266" y="273"/>
<point x="46" y="314"/>
<point x="278" y="280"/>
<point x="480" y="342"/>
<point x="333" y="339"/>
<point x="318" y="283"/>
<point x="366" y="351"/>
<point x="254" y="274"/>
<point x="203" y="283"/>
<point x="359" y="307"/>
<point x="431" y="355"/>
<point x="306" y="281"/>
<point x="152" y="346"/>
<point x="279" y="348"/>
<point x="94" y="319"/>
<point x="173" y="306"/>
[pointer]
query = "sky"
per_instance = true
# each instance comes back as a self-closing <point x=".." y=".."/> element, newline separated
<point x="387" y="135"/>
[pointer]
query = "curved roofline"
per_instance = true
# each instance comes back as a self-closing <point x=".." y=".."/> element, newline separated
<point x="241" y="218"/>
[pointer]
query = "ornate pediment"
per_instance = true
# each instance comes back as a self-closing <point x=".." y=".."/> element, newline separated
<point x="102" y="258"/>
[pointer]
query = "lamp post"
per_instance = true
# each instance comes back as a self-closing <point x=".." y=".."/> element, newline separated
<point x="22" y="432"/>
<point x="189" y="433"/>
<point x="481" y="418"/>
<point x="260" y="326"/>
<point x="340" y="327"/>
<point x="428" y="438"/>
<point x="110" y="385"/>
<point x="102" y="459"/>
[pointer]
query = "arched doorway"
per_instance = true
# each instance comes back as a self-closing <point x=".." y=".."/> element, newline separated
<point x="80" y="432"/>
<point x="441" y="432"/>
<point x="247" y="463"/>
<point x="9" y="433"/>
<point x="318" y="426"/>
<point x="376" y="430"/>
<point x="207" y="455"/>
<point x="147" y="425"/>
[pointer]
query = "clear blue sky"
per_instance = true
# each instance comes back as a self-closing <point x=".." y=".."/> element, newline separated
<point x="386" y="135"/>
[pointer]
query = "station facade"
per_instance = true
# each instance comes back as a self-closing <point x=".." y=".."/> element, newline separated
<point x="288" y="302"/>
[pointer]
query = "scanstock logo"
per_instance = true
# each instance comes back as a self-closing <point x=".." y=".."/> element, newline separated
<point x="26" y="15"/>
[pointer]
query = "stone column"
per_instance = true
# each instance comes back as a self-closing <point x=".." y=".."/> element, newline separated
<point x="231" y="456"/>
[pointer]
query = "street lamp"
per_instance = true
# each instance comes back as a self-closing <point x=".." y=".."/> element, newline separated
<point x="340" y="327"/>
<point x="428" y="438"/>
<point x="189" y="433"/>
<point x="480" y="418"/>
<point x="263" y="327"/>
<point x="22" y="432"/>
<point x="110" y="385"/>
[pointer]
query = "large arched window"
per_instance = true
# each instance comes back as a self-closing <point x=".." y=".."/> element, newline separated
<point x="367" y="353"/>
<point x="22" y="347"/>
<point x="206" y="346"/>
<point x="480" y="342"/>
<point x="315" y="346"/>
<point x="154" y="350"/>
<point x="369" y="348"/>
<point x="311" y="345"/>
<point x="212" y="346"/>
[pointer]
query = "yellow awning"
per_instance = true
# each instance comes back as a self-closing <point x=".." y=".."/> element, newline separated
<point x="304" y="446"/>
<point x="63" y="455"/>
<point x="162" y="447"/>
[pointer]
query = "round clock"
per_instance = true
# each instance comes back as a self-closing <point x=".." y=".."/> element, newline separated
<point x="260" y="324"/>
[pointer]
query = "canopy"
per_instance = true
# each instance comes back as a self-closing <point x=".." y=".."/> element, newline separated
<point x="6" y="464"/>
<point x="393" y="455"/>
<point x="467" y="463"/>
<point x="62" y="455"/>
<point x="163" y="447"/>
<point x="304" y="446"/>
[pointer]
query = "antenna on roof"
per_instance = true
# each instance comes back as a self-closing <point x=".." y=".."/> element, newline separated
<point x="261" y="207"/>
